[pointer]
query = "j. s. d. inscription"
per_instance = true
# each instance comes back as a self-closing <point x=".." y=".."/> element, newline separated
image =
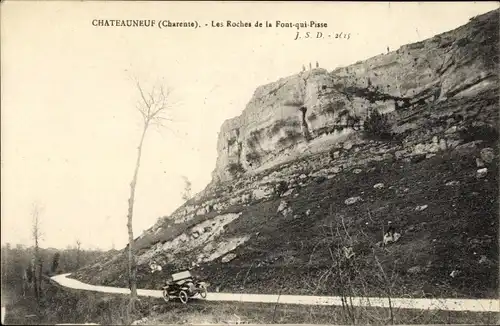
<point x="321" y="35"/>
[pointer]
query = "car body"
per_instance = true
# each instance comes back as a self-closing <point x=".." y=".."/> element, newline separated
<point x="183" y="285"/>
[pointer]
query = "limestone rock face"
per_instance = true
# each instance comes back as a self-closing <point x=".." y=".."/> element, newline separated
<point x="281" y="114"/>
<point x="299" y="108"/>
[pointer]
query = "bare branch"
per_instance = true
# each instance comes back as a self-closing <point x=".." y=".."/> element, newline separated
<point x="145" y="101"/>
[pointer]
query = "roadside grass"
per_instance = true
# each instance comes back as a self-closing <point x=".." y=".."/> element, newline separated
<point x="197" y="312"/>
<point x="62" y="305"/>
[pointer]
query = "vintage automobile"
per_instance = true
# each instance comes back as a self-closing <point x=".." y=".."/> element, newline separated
<point x="183" y="286"/>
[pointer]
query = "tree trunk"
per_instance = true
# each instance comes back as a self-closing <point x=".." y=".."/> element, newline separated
<point x="78" y="258"/>
<point x="40" y="276"/>
<point x="132" y="269"/>
<point x="36" y="280"/>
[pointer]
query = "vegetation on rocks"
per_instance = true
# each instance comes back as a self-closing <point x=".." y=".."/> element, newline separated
<point x="377" y="126"/>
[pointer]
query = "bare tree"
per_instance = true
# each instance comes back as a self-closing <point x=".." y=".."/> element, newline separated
<point x="186" y="195"/>
<point x="78" y="250"/>
<point x="37" y="264"/>
<point x="153" y="107"/>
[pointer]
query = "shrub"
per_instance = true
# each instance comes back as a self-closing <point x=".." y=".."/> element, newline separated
<point x="377" y="126"/>
<point x="235" y="169"/>
<point x="281" y="188"/>
<point x="253" y="138"/>
<point x="252" y="157"/>
<point x="472" y="132"/>
<point x="334" y="107"/>
<point x="312" y="117"/>
<point x="292" y="136"/>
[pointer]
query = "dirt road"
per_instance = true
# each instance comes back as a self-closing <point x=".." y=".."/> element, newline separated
<point x="478" y="305"/>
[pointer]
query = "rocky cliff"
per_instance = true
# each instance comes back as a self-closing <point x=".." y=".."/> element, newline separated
<point x="294" y="110"/>
<point x="312" y="187"/>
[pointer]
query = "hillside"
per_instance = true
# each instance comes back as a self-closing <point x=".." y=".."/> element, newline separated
<point x="299" y="187"/>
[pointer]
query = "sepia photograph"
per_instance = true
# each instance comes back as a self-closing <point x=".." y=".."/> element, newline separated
<point x="249" y="162"/>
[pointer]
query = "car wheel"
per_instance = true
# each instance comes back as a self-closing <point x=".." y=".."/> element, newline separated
<point x="166" y="296"/>
<point x="203" y="291"/>
<point x="183" y="296"/>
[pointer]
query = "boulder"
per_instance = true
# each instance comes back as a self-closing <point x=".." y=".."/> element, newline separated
<point x="400" y="154"/>
<point x="487" y="155"/>
<point x="421" y="208"/>
<point x="483" y="259"/>
<point x="288" y="192"/>
<point x="467" y="148"/>
<point x="284" y="209"/>
<point x="227" y="258"/>
<point x="352" y="200"/>
<point x="442" y="144"/>
<point x="451" y="130"/>
<point x="481" y="173"/>
<point x="420" y="149"/>
<point x="283" y="205"/>
<point x="414" y="270"/>
<point x="347" y="145"/>
<point x="262" y="192"/>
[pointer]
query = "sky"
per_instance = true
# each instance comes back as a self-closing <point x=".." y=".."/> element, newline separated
<point x="69" y="124"/>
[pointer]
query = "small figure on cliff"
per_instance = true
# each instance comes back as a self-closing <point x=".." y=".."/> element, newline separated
<point x="317" y="64"/>
<point x="310" y="66"/>
<point x="388" y="50"/>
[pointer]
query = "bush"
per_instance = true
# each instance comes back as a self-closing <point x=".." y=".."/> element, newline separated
<point x="235" y="169"/>
<point x="253" y="138"/>
<point x="377" y="126"/>
<point x="281" y="188"/>
<point x="335" y="106"/>
<point x="472" y="132"/>
<point x="252" y="157"/>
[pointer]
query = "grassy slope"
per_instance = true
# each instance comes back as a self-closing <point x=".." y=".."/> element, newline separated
<point x="289" y="254"/>
<point x="439" y="237"/>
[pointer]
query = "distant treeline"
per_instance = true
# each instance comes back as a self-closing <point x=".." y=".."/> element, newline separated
<point x="16" y="261"/>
